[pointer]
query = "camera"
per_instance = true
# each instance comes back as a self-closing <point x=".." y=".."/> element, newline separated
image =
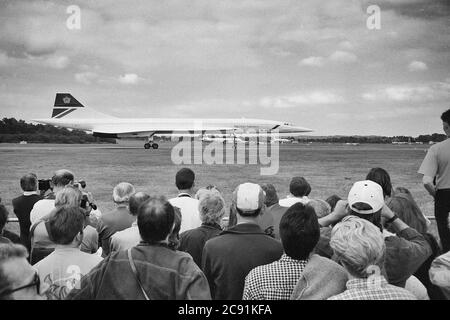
<point x="44" y="184"/>
<point x="80" y="184"/>
<point x="85" y="202"/>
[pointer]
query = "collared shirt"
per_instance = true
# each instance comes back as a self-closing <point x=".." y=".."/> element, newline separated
<point x="291" y="200"/>
<point x="375" y="288"/>
<point x="189" y="211"/>
<point x="30" y="193"/>
<point x="274" y="281"/>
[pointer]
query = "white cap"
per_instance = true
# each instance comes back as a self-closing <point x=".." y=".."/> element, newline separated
<point x="248" y="197"/>
<point x="367" y="192"/>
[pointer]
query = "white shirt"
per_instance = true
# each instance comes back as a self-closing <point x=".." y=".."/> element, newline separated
<point x="125" y="239"/>
<point x="41" y="209"/>
<point x="291" y="200"/>
<point x="190" y="217"/>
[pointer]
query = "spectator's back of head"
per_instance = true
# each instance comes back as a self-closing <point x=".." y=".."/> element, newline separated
<point x="62" y="178"/>
<point x="408" y="212"/>
<point x="174" y="236"/>
<point x="3" y="217"/>
<point x="358" y="245"/>
<point x="211" y="207"/>
<point x="136" y="200"/>
<point x="184" y="179"/>
<point x="332" y="200"/>
<point x="155" y="220"/>
<point x="248" y="199"/>
<point x="299" y="187"/>
<point x="68" y="196"/>
<point x="122" y="192"/>
<point x="11" y="252"/>
<point x="321" y="207"/>
<point x="29" y="182"/>
<point x="381" y="176"/>
<point x="271" y="194"/>
<point x="299" y="231"/>
<point x="366" y="200"/>
<point x="445" y="116"/>
<point x="66" y="224"/>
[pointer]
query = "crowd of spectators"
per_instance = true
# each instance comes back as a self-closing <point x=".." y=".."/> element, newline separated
<point x="373" y="245"/>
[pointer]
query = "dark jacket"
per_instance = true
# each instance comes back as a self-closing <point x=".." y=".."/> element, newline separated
<point x="229" y="257"/>
<point x="22" y="206"/>
<point x="165" y="274"/>
<point x="192" y="241"/>
<point x="434" y="292"/>
<point x="405" y="253"/>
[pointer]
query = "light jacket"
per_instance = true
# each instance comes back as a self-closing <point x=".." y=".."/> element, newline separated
<point x="321" y="279"/>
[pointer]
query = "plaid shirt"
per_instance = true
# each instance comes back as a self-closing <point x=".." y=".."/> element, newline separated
<point x="376" y="289"/>
<point x="274" y="281"/>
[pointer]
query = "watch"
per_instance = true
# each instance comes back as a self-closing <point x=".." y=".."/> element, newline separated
<point x="395" y="217"/>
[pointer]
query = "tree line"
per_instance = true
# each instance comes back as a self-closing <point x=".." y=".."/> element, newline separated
<point x="15" y="131"/>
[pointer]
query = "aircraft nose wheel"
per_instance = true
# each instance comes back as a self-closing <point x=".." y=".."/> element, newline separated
<point x="147" y="146"/>
<point x="155" y="146"/>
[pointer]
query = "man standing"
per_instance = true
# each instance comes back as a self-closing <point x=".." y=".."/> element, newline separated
<point x="190" y="217"/>
<point x="299" y="189"/>
<point x="229" y="257"/>
<point x="23" y="204"/>
<point x="43" y="207"/>
<point x="151" y="270"/>
<point x="436" y="180"/>
<point x="299" y="231"/>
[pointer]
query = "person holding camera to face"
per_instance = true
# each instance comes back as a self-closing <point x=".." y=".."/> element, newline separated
<point x="43" y="207"/>
<point x="41" y="242"/>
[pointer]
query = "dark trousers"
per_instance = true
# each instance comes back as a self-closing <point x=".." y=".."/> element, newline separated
<point x="441" y="212"/>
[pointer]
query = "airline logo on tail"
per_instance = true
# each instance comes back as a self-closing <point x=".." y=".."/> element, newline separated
<point x="64" y="105"/>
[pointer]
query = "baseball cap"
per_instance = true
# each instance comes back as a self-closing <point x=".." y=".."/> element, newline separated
<point x="367" y="192"/>
<point x="248" y="197"/>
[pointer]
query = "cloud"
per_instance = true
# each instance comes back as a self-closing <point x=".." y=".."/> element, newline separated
<point x="56" y="62"/>
<point x="432" y="91"/>
<point x="313" y="62"/>
<point x="417" y="66"/>
<point x="311" y="98"/>
<point x="343" y="57"/>
<point x="86" y="77"/>
<point x="130" y="78"/>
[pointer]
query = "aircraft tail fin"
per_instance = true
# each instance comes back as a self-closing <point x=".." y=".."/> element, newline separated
<point x="65" y="104"/>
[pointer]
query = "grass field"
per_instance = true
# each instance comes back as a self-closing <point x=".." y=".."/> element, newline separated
<point x="330" y="169"/>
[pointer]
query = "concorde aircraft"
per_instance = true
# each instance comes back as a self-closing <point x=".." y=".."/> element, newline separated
<point x="69" y="113"/>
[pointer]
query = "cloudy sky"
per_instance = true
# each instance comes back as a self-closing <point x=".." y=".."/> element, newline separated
<point x="313" y="63"/>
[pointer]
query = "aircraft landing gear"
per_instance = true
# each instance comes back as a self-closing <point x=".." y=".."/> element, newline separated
<point x="151" y="145"/>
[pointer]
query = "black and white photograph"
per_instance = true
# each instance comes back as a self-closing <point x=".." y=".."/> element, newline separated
<point x="236" y="152"/>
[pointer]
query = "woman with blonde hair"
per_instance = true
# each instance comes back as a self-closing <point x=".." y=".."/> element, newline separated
<point x="359" y="247"/>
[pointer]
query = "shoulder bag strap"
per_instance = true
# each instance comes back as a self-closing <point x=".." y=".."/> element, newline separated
<point x="133" y="268"/>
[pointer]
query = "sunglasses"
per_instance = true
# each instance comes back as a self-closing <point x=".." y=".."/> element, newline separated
<point x="35" y="282"/>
